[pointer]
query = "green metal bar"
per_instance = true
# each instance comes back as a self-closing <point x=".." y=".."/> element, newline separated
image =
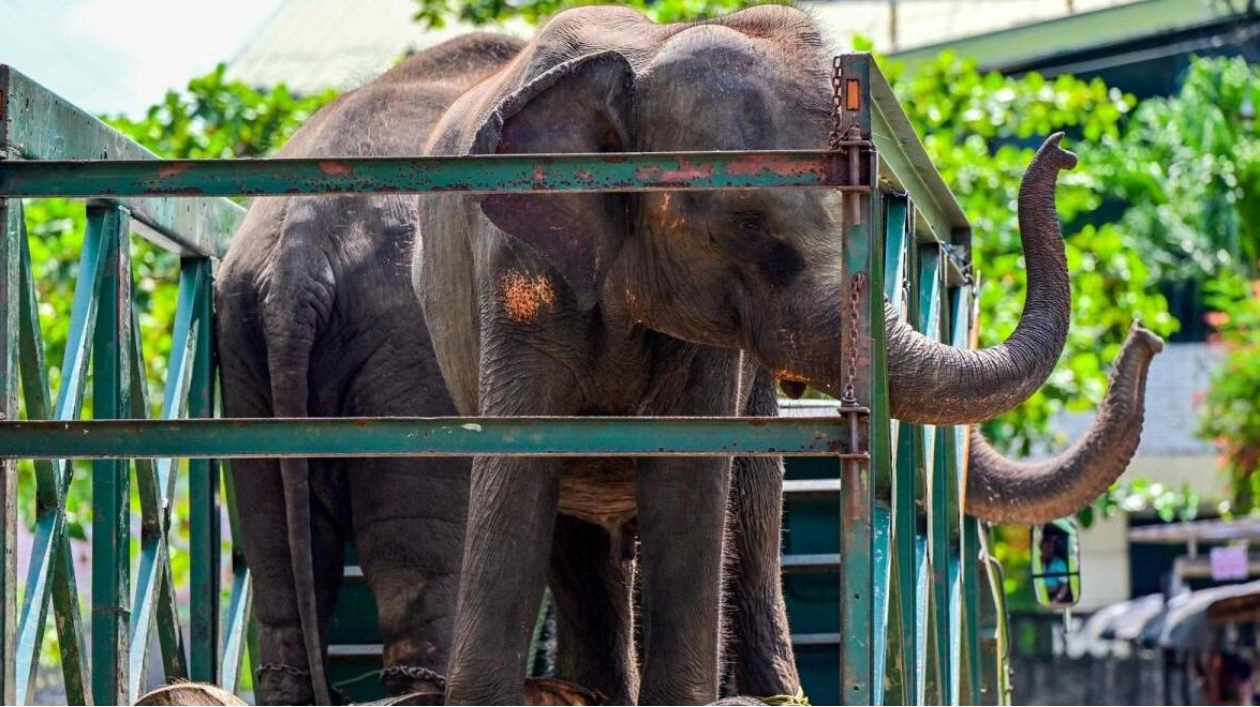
<point x="895" y="281"/>
<point x="203" y="485"/>
<point x="111" y="481"/>
<point x="153" y="602"/>
<point x="370" y="175"/>
<point x="900" y="515"/>
<point x="458" y="437"/>
<point x="881" y="583"/>
<point x="967" y="681"/>
<point x="11" y="221"/>
<point x="71" y="634"/>
<point x="972" y="615"/>
<point x="37" y="124"/>
<point x="999" y="655"/>
<point x="862" y="278"/>
<point x="51" y="559"/>
<point x="936" y="663"/>
<point x="239" y="630"/>
<point x="924" y="677"/>
<point x="235" y="631"/>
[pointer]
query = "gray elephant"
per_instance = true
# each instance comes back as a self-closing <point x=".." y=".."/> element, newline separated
<point x="314" y="319"/>
<point x="661" y="304"/>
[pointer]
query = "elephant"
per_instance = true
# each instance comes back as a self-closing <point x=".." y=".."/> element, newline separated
<point x="667" y="304"/>
<point x="387" y="305"/>
<point x="316" y="317"/>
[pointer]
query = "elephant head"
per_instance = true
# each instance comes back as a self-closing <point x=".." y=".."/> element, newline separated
<point x="755" y="269"/>
<point x="1000" y="490"/>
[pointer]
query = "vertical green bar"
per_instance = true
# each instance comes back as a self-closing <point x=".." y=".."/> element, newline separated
<point x="864" y="355"/>
<point x="900" y="675"/>
<point x="111" y="480"/>
<point x="203" y="482"/>
<point x="10" y="296"/>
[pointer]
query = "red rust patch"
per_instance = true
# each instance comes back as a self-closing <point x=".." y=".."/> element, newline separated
<point x="774" y="164"/>
<point x="687" y="170"/>
<point x="335" y="168"/>
<point x="540" y="174"/>
<point x="525" y="296"/>
<point x="170" y="170"/>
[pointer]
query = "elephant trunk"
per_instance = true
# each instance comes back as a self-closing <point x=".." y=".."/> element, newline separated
<point x="1000" y="490"/>
<point x="933" y="383"/>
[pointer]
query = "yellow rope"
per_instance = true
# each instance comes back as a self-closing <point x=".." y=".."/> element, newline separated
<point x="796" y="700"/>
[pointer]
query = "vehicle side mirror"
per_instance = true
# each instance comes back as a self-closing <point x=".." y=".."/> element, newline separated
<point x="1056" y="563"/>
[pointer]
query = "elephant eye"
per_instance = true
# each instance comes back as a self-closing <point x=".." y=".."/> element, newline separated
<point x="752" y="223"/>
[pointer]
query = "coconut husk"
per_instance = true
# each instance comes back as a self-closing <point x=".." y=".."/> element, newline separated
<point x="190" y="695"/>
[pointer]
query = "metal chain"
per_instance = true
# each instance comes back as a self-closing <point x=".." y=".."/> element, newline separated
<point x="837" y="114"/>
<point x="280" y="668"/>
<point x="416" y="672"/>
<point x="342" y="696"/>
<point x="849" y="398"/>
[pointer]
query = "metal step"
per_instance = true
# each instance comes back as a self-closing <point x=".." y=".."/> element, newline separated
<point x="810" y="564"/>
<point x="811" y="489"/>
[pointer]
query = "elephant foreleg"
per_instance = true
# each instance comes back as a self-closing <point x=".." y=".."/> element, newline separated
<point x="682" y="510"/>
<point x="511" y="516"/>
<point x="763" y="662"/>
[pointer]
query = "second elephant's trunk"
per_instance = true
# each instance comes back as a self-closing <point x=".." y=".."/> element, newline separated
<point x="1000" y="490"/>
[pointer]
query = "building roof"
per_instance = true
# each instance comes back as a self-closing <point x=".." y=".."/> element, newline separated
<point x="1094" y="24"/>
<point x="311" y="45"/>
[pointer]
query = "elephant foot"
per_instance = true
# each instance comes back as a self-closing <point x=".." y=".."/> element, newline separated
<point x="189" y="693"/>
<point x="550" y="691"/>
<point x="538" y="691"/>
<point x="797" y="699"/>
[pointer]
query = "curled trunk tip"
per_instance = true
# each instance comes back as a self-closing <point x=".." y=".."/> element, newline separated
<point x="933" y="383"/>
<point x="1002" y="490"/>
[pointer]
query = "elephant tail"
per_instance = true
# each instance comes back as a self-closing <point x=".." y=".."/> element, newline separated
<point x="1001" y="490"/>
<point x="288" y="369"/>
<point x="296" y="305"/>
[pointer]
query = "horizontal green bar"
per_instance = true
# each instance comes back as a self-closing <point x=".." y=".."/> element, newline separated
<point x="37" y="124"/>
<point x="477" y="173"/>
<point x="402" y="437"/>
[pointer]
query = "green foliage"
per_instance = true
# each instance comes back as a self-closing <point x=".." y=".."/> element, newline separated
<point x="217" y="118"/>
<point x="435" y="13"/>
<point x="1230" y="414"/>
<point x="1185" y="166"/>
<point x="981" y="131"/>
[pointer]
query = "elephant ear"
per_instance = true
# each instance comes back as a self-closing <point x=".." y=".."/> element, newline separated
<point x="579" y="106"/>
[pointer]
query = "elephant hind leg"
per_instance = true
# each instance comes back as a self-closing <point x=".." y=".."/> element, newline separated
<point x="591" y="585"/>
<point x="409" y="517"/>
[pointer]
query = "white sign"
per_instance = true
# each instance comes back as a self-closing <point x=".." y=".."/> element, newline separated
<point x="1229" y="563"/>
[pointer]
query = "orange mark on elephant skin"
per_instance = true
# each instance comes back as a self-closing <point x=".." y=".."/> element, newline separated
<point x="524" y="296"/>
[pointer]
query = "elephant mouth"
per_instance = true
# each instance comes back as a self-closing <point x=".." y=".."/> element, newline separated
<point x="792" y="384"/>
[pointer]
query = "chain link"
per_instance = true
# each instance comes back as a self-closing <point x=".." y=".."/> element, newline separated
<point x="837" y="113"/>
<point x="849" y="398"/>
<point x="416" y="672"/>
